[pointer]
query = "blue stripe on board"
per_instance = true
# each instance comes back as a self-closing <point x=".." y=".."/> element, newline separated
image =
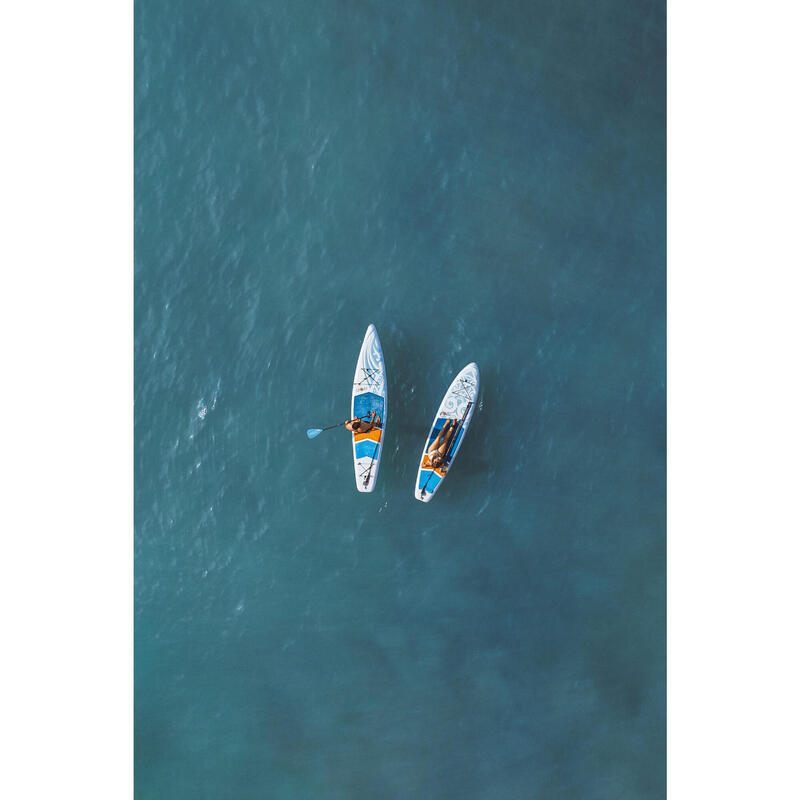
<point x="365" y="448"/>
<point x="431" y="484"/>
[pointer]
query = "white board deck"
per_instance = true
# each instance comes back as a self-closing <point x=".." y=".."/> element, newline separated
<point x="369" y="394"/>
<point x="459" y="404"/>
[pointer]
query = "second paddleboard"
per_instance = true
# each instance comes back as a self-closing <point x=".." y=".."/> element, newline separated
<point x="455" y="411"/>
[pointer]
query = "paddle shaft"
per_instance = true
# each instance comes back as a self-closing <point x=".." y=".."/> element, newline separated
<point x="338" y="425"/>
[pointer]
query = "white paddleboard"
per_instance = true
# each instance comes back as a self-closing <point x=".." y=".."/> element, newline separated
<point x="458" y="404"/>
<point x="369" y="394"/>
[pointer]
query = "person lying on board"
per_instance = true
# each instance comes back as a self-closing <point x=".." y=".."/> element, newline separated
<point x="358" y="425"/>
<point x="440" y="444"/>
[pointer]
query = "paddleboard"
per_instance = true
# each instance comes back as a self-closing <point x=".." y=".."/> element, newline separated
<point x="369" y="394"/>
<point x="459" y="405"/>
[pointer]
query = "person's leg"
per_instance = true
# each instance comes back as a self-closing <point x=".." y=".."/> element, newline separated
<point x="441" y="439"/>
<point x="438" y="440"/>
<point x="446" y="433"/>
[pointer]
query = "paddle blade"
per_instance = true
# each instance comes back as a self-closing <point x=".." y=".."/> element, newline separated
<point x="313" y="432"/>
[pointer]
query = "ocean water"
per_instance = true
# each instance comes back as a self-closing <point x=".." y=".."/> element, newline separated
<point x="483" y="181"/>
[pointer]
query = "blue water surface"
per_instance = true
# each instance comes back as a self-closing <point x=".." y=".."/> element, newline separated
<point x="484" y="181"/>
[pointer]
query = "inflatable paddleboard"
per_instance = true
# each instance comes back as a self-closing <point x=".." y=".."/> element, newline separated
<point x="369" y="394"/>
<point x="458" y="405"/>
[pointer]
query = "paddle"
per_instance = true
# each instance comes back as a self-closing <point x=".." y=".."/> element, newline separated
<point x="452" y="439"/>
<point x="312" y="433"/>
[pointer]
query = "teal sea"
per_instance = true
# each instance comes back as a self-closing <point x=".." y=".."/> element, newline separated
<point x="483" y="181"/>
